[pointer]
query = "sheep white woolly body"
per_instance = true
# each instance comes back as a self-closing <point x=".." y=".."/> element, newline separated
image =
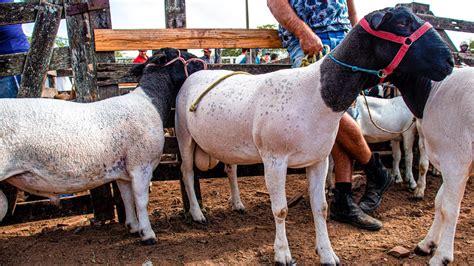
<point x="290" y="118"/>
<point x="51" y="147"/>
<point x="448" y="129"/>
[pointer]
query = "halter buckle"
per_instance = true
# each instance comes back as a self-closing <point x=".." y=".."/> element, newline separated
<point x="381" y="74"/>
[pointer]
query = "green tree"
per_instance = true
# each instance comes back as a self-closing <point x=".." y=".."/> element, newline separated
<point x="268" y="26"/>
<point x="118" y="54"/>
<point x="231" y="52"/>
<point x="59" y="41"/>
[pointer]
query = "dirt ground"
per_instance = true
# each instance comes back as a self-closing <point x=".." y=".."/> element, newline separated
<point x="233" y="238"/>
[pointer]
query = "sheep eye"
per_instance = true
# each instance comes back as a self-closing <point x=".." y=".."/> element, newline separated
<point x="403" y="24"/>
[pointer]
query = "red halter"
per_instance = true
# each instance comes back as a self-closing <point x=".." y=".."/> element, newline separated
<point x="186" y="62"/>
<point x="404" y="41"/>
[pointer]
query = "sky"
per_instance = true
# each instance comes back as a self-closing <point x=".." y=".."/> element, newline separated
<point x="149" y="14"/>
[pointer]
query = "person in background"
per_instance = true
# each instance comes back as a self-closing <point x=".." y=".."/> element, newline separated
<point x="273" y="57"/>
<point x="207" y="56"/>
<point x="257" y="56"/>
<point x="12" y="40"/>
<point x="464" y="48"/>
<point x="305" y="26"/>
<point x="265" y="57"/>
<point x="242" y="58"/>
<point x="141" y="58"/>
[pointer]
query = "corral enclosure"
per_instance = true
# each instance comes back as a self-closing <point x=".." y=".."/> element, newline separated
<point x="90" y="60"/>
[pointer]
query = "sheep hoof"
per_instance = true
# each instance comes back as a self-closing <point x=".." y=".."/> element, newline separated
<point x="291" y="262"/>
<point x="149" y="242"/>
<point x="417" y="198"/>
<point x="420" y="252"/>
<point x="239" y="211"/>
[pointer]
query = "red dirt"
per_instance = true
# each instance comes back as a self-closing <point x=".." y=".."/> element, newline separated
<point x="233" y="238"/>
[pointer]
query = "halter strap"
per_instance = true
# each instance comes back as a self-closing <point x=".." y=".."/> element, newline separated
<point x="186" y="62"/>
<point x="406" y="42"/>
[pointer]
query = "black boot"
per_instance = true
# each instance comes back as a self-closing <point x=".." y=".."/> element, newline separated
<point x="343" y="209"/>
<point x="378" y="181"/>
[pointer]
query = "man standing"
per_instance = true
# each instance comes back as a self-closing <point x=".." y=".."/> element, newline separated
<point x="464" y="48"/>
<point x="141" y="58"/>
<point x="305" y="26"/>
<point x="242" y="58"/>
<point x="207" y="56"/>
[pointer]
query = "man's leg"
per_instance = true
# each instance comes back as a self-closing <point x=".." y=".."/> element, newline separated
<point x="9" y="86"/>
<point x="350" y="139"/>
<point x="343" y="208"/>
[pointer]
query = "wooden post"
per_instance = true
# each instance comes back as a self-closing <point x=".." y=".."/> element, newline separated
<point x="99" y="17"/>
<point x="175" y="16"/>
<point x="80" y="26"/>
<point x="41" y="50"/>
<point x="175" y="13"/>
<point x="83" y="60"/>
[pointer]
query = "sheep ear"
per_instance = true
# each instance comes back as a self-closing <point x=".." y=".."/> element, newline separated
<point x="137" y="69"/>
<point x="158" y="59"/>
<point x="379" y="18"/>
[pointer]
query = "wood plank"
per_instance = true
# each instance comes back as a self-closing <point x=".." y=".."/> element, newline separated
<point x="448" y="23"/>
<point x="20" y="13"/>
<point x="82" y="55"/>
<point x="463" y="58"/>
<point x="44" y="209"/>
<point x="41" y="50"/>
<point x="12" y="64"/>
<point x="17" y="13"/>
<point x="118" y="40"/>
<point x="108" y="74"/>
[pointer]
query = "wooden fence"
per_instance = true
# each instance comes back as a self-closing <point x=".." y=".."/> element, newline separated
<point x="90" y="60"/>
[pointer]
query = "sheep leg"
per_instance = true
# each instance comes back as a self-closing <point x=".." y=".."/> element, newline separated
<point x="431" y="240"/>
<point x="424" y="164"/>
<point x="275" y="178"/>
<point x="330" y="179"/>
<point x="454" y="181"/>
<point x="131" y="221"/>
<point x="231" y="171"/>
<point x="397" y="156"/>
<point x="141" y="177"/>
<point x="319" y="206"/>
<point x="408" y="139"/>
<point x="186" y="147"/>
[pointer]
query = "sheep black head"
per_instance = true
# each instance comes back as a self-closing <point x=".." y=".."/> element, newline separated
<point x="161" y="61"/>
<point x="163" y="74"/>
<point x="428" y="56"/>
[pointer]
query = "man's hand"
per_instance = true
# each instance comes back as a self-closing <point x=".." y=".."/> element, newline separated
<point x="310" y="43"/>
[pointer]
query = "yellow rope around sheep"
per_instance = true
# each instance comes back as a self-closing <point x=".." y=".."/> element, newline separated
<point x="193" y="107"/>
<point x="310" y="59"/>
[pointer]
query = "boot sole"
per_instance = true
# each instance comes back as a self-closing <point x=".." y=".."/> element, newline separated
<point x="371" y="210"/>
<point x="356" y="224"/>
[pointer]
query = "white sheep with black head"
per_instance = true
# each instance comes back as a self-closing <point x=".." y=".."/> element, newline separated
<point x="290" y="118"/>
<point x="446" y="124"/>
<point x="52" y="147"/>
